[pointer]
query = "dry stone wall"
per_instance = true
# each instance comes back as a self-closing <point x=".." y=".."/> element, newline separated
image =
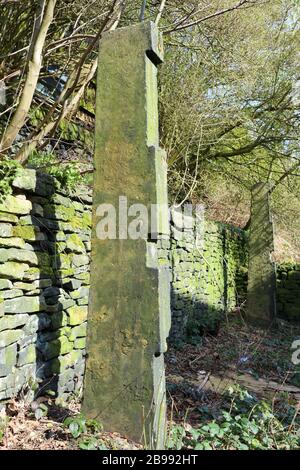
<point x="209" y="268"/>
<point x="44" y="286"/>
<point x="44" y="283"/>
<point x="288" y="291"/>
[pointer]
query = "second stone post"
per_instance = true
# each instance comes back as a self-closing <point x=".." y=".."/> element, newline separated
<point x="261" y="296"/>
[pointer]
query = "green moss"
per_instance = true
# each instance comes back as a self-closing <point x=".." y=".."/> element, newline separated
<point x="12" y="270"/>
<point x="77" y="315"/>
<point x="59" y="212"/>
<point x="6" y="217"/>
<point x="26" y="232"/>
<point x="74" y="243"/>
<point x="80" y="343"/>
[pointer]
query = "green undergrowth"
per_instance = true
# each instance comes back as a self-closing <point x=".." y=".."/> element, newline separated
<point x="86" y="432"/>
<point x="243" y="423"/>
<point x="9" y="169"/>
<point x="67" y="175"/>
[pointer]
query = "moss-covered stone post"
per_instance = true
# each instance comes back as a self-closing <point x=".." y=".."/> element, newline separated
<point x="129" y="309"/>
<point x="261" y="295"/>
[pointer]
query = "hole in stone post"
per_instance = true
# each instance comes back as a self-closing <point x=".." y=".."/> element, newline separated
<point x="153" y="57"/>
<point x="152" y="237"/>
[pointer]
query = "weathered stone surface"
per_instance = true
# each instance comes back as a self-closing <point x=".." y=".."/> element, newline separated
<point x="6" y="230"/>
<point x="23" y="256"/>
<point x="27" y="286"/>
<point x="123" y="329"/>
<point x="79" y="343"/>
<point x="35" y="255"/>
<point x="11" y="294"/>
<point x="58" y="320"/>
<point x="12" y="242"/>
<point x="9" y="336"/>
<point x="13" y="270"/>
<point x="33" y="274"/>
<point x="83" y="277"/>
<point x="37" y="209"/>
<point x="261" y="295"/>
<point x="27" y="339"/>
<point x="77" y="315"/>
<point x="24" y="305"/>
<point x="62" y="363"/>
<point x="16" y="205"/>
<point x="8" y="359"/>
<point x="78" y="332"/>
<point x="72" y="284"/>
<point x="5" y="284"/>
<point x="6" y="217"/>
<point x="75" y="244"/>
<point x="80" y="260"/>
<point x="80" y="293"/>
<point x="7" y="384"/>
<point x="28" y="232"/>
<point x="26" y="180"/>
<point x="57" y="347"/>
<point x="59" y="212"/>
<point x="27" y="355"/>
<point x="8" y="322"/>
<point x="83" y="301"/>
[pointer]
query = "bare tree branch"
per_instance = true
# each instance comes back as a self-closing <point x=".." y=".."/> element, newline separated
<point x="238" y="5"/>
<point x="160" y="11"/>
<point x="45" y="17"/>
<point x="50" y="124"/>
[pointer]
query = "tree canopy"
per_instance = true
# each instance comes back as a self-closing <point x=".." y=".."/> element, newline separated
<point x="229" y="95"/>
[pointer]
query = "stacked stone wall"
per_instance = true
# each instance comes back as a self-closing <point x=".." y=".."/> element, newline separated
<point x="44" y="283"/>
<point x="44" y="287"/>
<point x="208" y="264"/>
<point x="288" y="291"/>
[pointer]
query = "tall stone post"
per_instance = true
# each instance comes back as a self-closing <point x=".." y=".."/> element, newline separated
<point x="261" y="296"/>
<point x="129" y="309"/>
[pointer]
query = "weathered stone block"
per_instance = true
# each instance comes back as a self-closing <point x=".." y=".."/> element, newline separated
<point x="8" y="359"/>
<point x="24" y="305"/>
<point x="75" y="244"/>
<point x="78" y="332"/>
<point x="6" y="217"/>
<point x="16" y="205"/>
<point x="6" y="230"/>
<point x="13" y="321"/>
<point x="23" y="256"/>
<point x="11" y="294"/>
<point x="57" y="347"/>
<point x="12" y="242"/>
<point x="27" y="355"/>
<point x="77" y="315"/>
<point x="5" y="284"/>
<point x="28" y="232"/>
<point x="26" y="180"/>
<point x="80" y="293"/>
<point x="261" y="305"/>
<point x="80" y="260"/>
<point x="79" y="343"/>
<point x="13" y="270"/>
<point x="9" y="336"/>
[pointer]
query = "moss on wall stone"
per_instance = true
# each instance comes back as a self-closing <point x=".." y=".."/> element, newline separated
<point x="208" y="263"/>
<point x="44" y="286"/>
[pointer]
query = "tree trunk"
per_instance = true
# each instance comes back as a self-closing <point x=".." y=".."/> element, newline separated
<point x="33" y="72"/>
